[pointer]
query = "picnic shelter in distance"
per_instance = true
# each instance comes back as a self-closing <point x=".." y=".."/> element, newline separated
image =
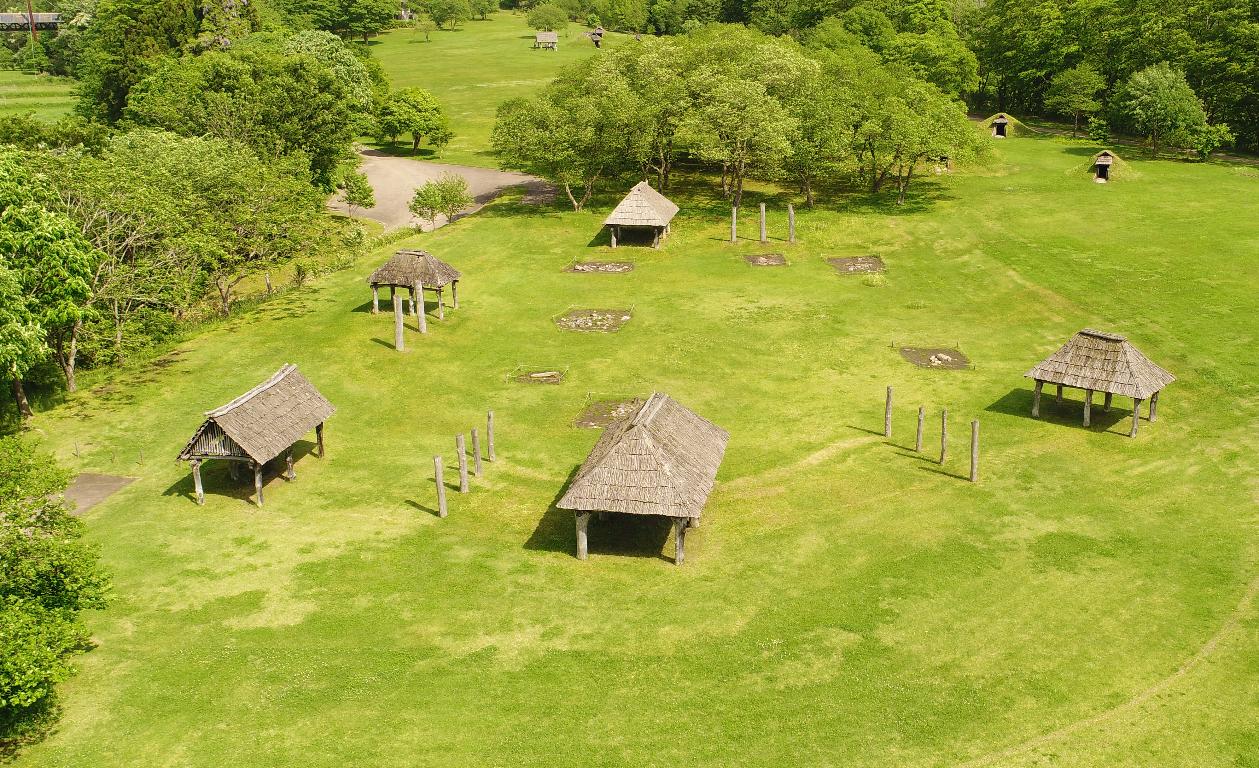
<point x="661" y="459"/>
<point x="417" y="271"/>
<point x="258" y="426"/>
<point x="547" y="41"/>
<point x="1095" y="361"/>
<point x="643" y="212"/>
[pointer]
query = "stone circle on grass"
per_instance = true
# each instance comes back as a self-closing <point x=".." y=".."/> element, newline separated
<point x="936" y="357"/>
<point x="539" y="377"/>
<point x="766" y="260"/>
<point x="601" y="413"/>
<point x="856" y="265"/>
<point x="594" y="320"/>
<point x="603" y="267"/>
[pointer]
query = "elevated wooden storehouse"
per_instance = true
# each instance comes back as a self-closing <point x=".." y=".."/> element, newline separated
<point x="258" y="426"/>
<point x="662" y="460"/>
<point x="417" y="271"/>
<point x="1102" y="163"/>
<point x="1095" y="361"/>
<point x="643" y="210"/>
<point x="547" y="41"/>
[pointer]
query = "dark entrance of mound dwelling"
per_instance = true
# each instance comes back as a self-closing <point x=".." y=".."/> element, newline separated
<point x="1000" y="124"/>
<point x="936" y="357"/>
<point x="1102" y="165"/>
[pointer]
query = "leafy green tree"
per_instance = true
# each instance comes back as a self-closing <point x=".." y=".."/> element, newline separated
<point x="1099" y="130"/>
<point x="548" y="16"/>
<point x="1074" y="92"/>
<point x="423" y="23"/>
<point x="414" y="111"/>
<point x="349" y="18"/>
<point x="1159" y="103"/>
<point x="357" y="191"/>
<point x="483" y="8"/>
<point x="937" y="56"/>
<point x="1209" y="138"/>
<point x="21" y="338"/>
<point x="350" y="70"/>
<point x="32" y="57"/>
<point x="450" y="12"/>
<point x="446" y="195"/>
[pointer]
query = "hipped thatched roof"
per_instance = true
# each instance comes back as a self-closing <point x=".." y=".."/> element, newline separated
<point x="642" y="207"/>
<point x="547" y="37"/>
<point x="1102" y="362"/>
<point x="661" y="459"/>
<point x="262" y="423"/>
<point x="408" y="267"/>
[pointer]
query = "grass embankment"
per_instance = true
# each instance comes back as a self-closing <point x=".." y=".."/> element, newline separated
<point x="846" y="601"/>
<point x="48" y="97"/>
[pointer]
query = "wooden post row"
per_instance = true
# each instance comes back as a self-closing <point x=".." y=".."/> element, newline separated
<point x="974" y="451"/>
<point x="922" y="414"/>
<point x="887" y="414"/>
<point x="419" y="307"/>
<point x="763" y="237"/>
<point x="441" y="486"/>
<point x="791" y="223"/>
<point x="734" y="224"/>
<point x="398" y="341"/>
<point x="944" y="435"/>
<point x="461" y="448"/>
<point x="489" y="434"/>
<point x="476" y="453"/>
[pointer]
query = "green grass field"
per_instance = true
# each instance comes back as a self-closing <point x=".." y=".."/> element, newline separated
<point x="48" y="97"/>
<point x="473" y="69"/>
<point x="846" y="602"/>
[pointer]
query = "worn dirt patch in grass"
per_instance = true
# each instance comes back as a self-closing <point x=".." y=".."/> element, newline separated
<point x="766" y="260"/>
<point x="545" y="376"/>
<point x="89" y="489"/>
<point x="858" y="265"/>
<point x="601" y="267"/>
<point x="936" y="357"/>
<point x="594" y="320"/>
<point x="601" y="413"/>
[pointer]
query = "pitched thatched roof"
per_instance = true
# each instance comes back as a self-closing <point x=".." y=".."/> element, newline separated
<point x="1105" y="157"/>
<point x="642" y="207"/>
<point x="1013" y="126"/>
<point x="1102" y="362"/>
<point x="661" y="459"/>
<point x="547" y="37"/>
<point x="262" y="423"/>
<point x="406" y="267"/>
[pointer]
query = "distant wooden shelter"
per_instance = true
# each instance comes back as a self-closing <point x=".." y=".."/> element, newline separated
<point x="416" y="271"/>
<point x="548" y="41"/>
<point x="643" y="210"/>
<point x="1102" y="163"/>
<point x="1095" y="361"/>
<point x="258" y="426"/>
<point x="22" y="22"/>
<point x="662" y="459"/>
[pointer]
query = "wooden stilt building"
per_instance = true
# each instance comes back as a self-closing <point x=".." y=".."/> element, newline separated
<point x="642" y="211"/>
<point x="662" y="460"/>
<point x="258" y="426"/>
<point x="416" y="271"/>
<point x="1095" y="361"/>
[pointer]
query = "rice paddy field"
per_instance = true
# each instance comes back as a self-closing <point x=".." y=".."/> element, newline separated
<point x="846" y="601"/>
<point x="47" y="97"/>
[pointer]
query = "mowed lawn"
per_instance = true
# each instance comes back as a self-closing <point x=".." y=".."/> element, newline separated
<point x="845" y="602"/>
<point x="48" y="97"/>
<point x="473" y="69"/>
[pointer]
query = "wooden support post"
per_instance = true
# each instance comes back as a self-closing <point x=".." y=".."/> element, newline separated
<point x="489" y="434"/>
<point x="319" y="438"/>
<point x="791" y="223"/>
<point x="974" y="451"/>
<point x="1036" y="398"/>
<point x="612" y="230"/>
<point x="734" y="224"/>
<point x="266" y="276"/>
<point x="441" y="305"/>
<point x="392" y="293"/>
<point x="454" y="294"/>
<point x="399" y="343"/>
<point x="375" y="299"/>
<point x="419" y="305"/>
<point x="1059" y="396"/>
<point x="944" y="435"/>
<point x="887" y="414"/>
<point x="679" y="540"/>
<point x="460" y="447"/>
<point x="1088" y="407"/>
<point x="232" y="471"/>
<point x="583" y="522"/>
<point x="258" y="482"/>
<point x="289" y="474"/>
<point x="196" y="481"/>
<point x="411" y="300"/>
<point x="1136" y="416"/>
<point x="922" y="416"/>
<point x="438" y="477"/>
<point x="1153" y="407"/>
<point x="476" y="453"/>
<point x="763" y="238"/>
<point x="1106" y="402"/>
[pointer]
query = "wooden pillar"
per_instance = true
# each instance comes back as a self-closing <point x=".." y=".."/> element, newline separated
<point x="319" y="438"/>
<point x="289" y="474"/>
<point x="791" y="223"/>
<point x="1106" y="402"/>
<point x="655" y="240"/>
<point x="679" y="540"/>
<point x="1059" y="396"/>
<point x="763" y="238"/>
<point x="411" y="300"/>
<point x="419" y="305"/>
<point x="583" y="522"/>
<point x="1153" y="406"/>
<point x="460" y="447"/>
<point x="734" y="224"/>
<point x="258" y="482"/>
<point x="375" y="299"/>
<point x="489" y="434"/>
<point x="922" y="415"/>
<point x="613" y="231"/>
<point x="476" y="453"/>
<point x="974" y="451"/>
<point x="454" y="294"/>
<point x="438" y="477"/>
<point x="392" y="292"/>
<point x="196" y="481"/>
<point x="1136" y="416"/>
<point x="441" y="305"/>
<point x="266" y="277"/>
<point x="887" y="414"/>
<point x="1036" y="398"/>
<point x="944" y="435"/>
<point x="1088" y="407"/>
<point x="232" y="470"/>
<point x="399" y="343"/>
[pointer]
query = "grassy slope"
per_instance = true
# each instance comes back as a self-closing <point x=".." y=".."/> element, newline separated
<point x="845" y="602"/>
<point x="48" y="97"/>
<point x="475" y="68"/>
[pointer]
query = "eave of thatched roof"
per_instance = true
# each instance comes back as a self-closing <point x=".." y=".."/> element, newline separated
<point x="547" y="37"/>
<point x="642" y="207"/>
<point x="408" y="267"/>
<point x="264" y="422"/>
<point x="1102" y="362"/>
<point x="660" y="460"/>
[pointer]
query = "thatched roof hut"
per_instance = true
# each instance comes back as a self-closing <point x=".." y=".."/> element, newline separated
<point x="409" y="269"/>
<point x="1002" y="125"/>
<point x="260" y="425"/>
<point x="547" y="40"/>
<point x="1096" y="361"/>
<point x="643" y="209"/>
<point x="661" y="459"/>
